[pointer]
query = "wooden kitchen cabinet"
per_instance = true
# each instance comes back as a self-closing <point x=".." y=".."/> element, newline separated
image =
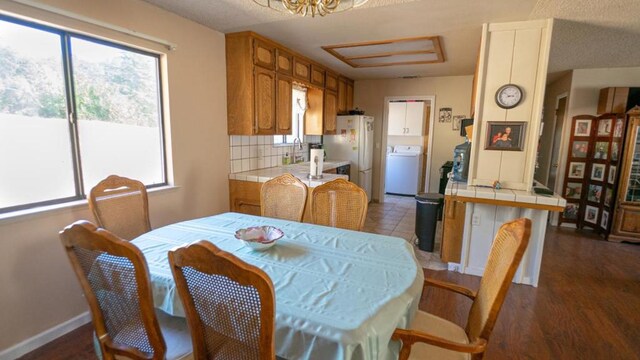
<point x="342" y="95"/>
<point x="244" y="197"/>
<point x="264" y="54"/>
<point x="313" y="117"/>
<point x="301" y="69"/>
<point x="330" y="112"/>
<point x="284" y="62"/>
<point x="284" y="87"/>
<point x="260" y="78"/>
<point x="350" y="85"/>
<point x="317" y="75"/>
<point x="613" y="100"/>
<point x="265" y="101"/>
<point x="453" y="229"/>
<point x="331" y="81"/>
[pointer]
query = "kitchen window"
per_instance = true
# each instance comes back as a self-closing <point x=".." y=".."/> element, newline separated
<point x="299" y="106"/>
<point x="73" y="110"/>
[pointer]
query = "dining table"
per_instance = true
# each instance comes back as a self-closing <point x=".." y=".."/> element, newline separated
<point x="339" y="294"/>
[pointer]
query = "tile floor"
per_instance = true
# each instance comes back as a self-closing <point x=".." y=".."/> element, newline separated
<point x="396" y="216"/>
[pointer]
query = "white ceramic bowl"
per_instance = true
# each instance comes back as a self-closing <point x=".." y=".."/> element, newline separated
<point x="259" y="237"/>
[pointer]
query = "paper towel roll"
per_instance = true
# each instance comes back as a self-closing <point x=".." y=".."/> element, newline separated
<point x="316" y="162"/>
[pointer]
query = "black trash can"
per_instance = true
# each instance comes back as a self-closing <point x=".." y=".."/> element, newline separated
<point x="427" y="207"/>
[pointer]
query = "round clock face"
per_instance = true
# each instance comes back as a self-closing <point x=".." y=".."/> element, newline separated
<point x="508" y="96"/>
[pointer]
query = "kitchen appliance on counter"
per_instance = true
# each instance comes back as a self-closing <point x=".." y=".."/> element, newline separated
<point x="403" y="170"/>
<point x="316" y="162"/>
<point x="353" y="142"/>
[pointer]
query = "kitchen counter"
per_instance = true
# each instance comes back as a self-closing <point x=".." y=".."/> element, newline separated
<point x="300" y="170"/>
<point x="473" y="215"/>
<point x="505" y="197"/>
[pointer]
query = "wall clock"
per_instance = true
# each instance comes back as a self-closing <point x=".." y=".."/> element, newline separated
<point x="508" y="96"/>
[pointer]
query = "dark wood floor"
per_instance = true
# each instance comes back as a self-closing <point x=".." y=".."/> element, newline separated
<point x="587" y="306"/>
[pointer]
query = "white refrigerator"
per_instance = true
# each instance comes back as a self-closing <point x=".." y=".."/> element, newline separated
<point x="353" y="142"/>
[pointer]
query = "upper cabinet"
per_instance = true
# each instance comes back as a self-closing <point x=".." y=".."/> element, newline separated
<point x="260" y="78"/>
<point x="406" y="118"/>
<point x="284" y="62"/>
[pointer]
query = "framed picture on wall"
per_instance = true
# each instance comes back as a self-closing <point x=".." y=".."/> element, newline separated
<point x="595" y="193"/>
<point x="612" y="175"/>
<point x="608" y="195"/>
<point x="573" y="190"/>
<point x="597" y="172"/>
<point x="591" y="214"/>
<point x="579" y="149"/>
<point x="576" y="170"/>
<point x="457" y="119"/>
<point x="505" y="136"/>
<point x="583" y="127"/>
<point x="571" y="211"/>
<point x="604" y="127"/>
<point x="602" y="150"/>
<point x="605" y="219"/>
<point x="614" y="151"/>
<point x="617" y="132"/>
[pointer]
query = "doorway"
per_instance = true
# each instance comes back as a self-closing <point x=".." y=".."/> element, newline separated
<point x="561" y="110"/>
<point x="394" y="134"/>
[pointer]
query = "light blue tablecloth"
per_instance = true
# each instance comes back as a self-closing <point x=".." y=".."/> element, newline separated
<point x="339" y="293"/>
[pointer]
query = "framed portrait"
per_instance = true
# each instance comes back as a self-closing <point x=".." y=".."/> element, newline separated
<point x="595" y="193"/>
<point x="615" y="149"/>
<point x="576" y="170"/>
<point x="601" y="150"/>
<point x="571" y="211"/>
<point x="573" y="190"/>
<point x="597" y="172"/>
<point x="509" y="136"/>
<point x="455" y="125"/>
<point x="583" y="127"/>
<point x="444" y="115"/>
<point x="604" y="222"/>
<point x="591" y="214"/>
<point x="608" y="196"/>
<point x="604" y="127"/>
<point x="617" y="131"/>
<point x="612" y="175"/>
<point x="579" y="149"/>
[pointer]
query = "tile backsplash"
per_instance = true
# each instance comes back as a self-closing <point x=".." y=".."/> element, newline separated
<point x="259" y="152"/>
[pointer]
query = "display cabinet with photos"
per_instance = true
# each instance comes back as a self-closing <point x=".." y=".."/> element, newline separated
<point x="626" y="214"/>
<point x="592" y="171"/>
<point x="577" y="159"/>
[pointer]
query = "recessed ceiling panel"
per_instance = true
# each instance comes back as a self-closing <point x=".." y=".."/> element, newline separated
<point x="407" y="51"/>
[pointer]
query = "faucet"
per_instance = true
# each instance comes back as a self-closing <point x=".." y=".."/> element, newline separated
<point x="293" y="155"/>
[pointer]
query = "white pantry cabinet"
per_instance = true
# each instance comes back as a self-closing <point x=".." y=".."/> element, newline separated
<point x="406" y="118"/>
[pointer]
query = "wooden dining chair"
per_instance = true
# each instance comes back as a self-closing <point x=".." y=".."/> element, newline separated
<point x="431" y="337"/>
<point x="283" y="197"/>
<point x="120" y="205"/>
<point x="115" y="280"/>
<point x="339" y="203"/>
<point x="229" y="304"/>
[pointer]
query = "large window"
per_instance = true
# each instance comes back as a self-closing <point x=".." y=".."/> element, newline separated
<point x="74" y="110"/>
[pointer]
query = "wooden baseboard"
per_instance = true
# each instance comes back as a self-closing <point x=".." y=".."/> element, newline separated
<point x="44" y="337"/>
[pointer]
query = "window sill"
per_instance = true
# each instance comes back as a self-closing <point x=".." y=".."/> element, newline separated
<point x="68" y="207"/>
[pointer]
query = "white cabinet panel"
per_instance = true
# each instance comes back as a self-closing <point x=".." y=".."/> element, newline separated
<point x="397" y="116"/>
<point x="414" y="118"/>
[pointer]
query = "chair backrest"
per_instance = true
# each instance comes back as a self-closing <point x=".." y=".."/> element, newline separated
<point x="339" y="203"/>
<point x="120" y="205"/>
<point x="229" y="304"/>
<point x="283" y="197"/>
<point x="506" y="252"/>
<point x="115" y="281"/>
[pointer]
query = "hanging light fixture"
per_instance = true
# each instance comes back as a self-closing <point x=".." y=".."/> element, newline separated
<point x="311" y="7"/>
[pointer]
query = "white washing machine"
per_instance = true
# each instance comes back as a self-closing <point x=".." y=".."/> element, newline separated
<point x="403" y="170"/>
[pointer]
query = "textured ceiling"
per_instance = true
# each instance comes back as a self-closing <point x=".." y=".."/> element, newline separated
<point x="592" y="33"/>
<point x="587" y="33"/>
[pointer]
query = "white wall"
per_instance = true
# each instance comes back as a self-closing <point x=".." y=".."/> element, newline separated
<point x="39" y="290"/>
<point x="553" y="90"/>
<point x="449" y="91"/>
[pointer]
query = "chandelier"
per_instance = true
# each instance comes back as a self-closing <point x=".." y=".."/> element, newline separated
<point x="311" y="7"/>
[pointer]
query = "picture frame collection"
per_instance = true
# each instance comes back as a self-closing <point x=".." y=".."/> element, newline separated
<point x="591" y="175"/>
